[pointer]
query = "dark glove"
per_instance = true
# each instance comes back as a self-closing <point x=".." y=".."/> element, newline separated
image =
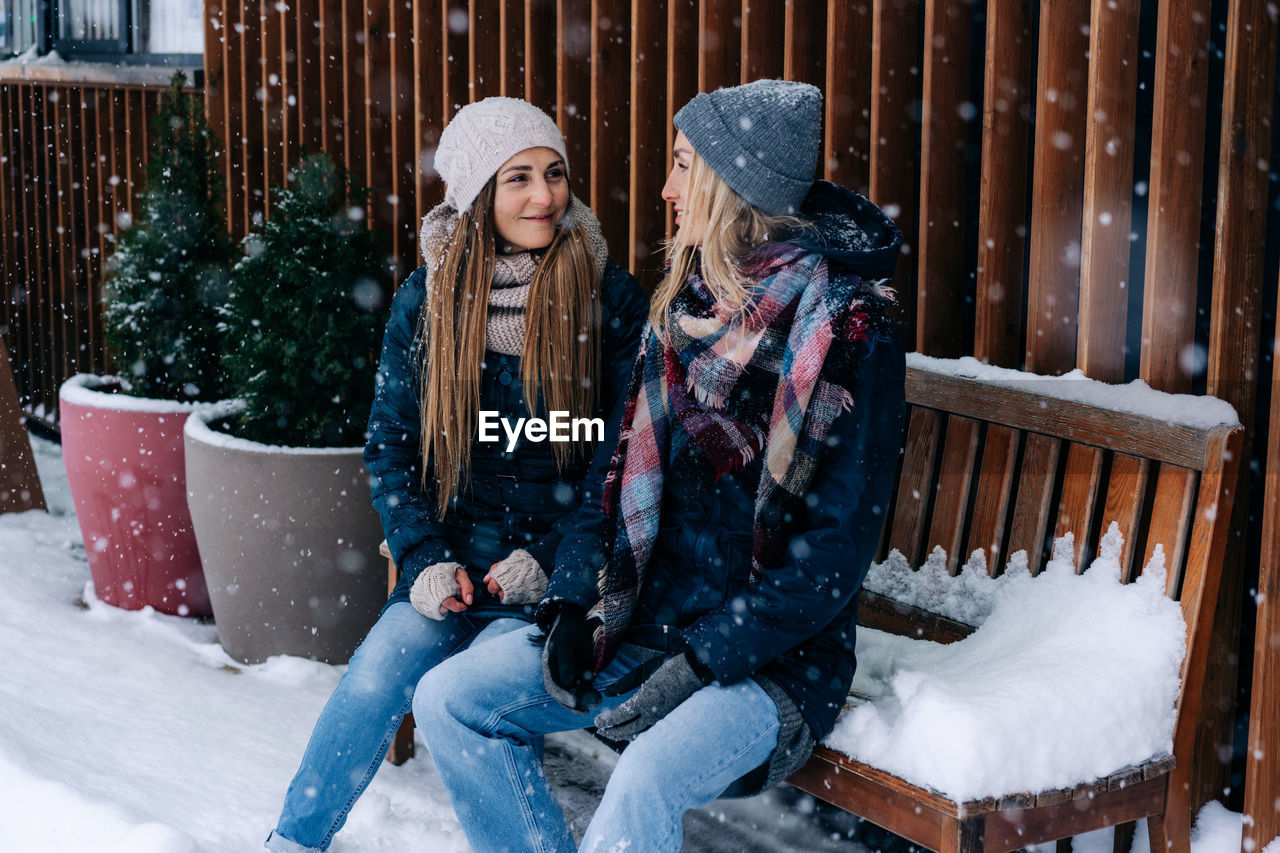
<point x="664" y="682"/>
<point x="568" y="658"/>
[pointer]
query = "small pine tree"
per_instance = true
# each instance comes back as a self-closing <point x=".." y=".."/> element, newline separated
<point x="303" y="316"/>
<point x="168" y="275"/>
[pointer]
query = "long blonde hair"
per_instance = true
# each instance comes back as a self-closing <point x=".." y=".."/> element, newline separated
<point x="731" y="228"/>
<point x="561" y="354"/>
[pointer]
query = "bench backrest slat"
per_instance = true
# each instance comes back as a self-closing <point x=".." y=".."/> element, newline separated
<point x="1035" y="493"/>
<point x="915" y="484"/>
<point x="1079" y="498"/>
<point x="955" y="476"/>
<point x="1171" y="520"/>
<point x="1126" y="493"/>
<point x="994" y="493"/>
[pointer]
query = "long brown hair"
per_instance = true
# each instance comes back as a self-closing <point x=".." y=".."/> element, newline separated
<point x="731" y="228"/>
<point x="561" y="354"/>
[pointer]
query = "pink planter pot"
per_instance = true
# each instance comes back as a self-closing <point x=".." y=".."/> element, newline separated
<point x="127" y="474"/>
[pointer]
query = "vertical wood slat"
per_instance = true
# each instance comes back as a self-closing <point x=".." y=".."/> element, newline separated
<point x="993" y="496"/>
<point x="682" y="71"/>
<point x="540" y="67"/>
<point x="1002" y="213"/>
<point x="233" y="135"/>
<point x="1057" y="188"/>
<point x="87" y="221"/>
<point x="10" y="273"/>
<point x="1170" y="524"/>
<point x="1108" y="188"/>
<point x="1235" y="326"/>
<point x="355" y="90"/>
<point x="1126" y="492"/>
<point x="805" y="41"/>
<point x="719" y="53"/>
<point x="511" y="55"/>
<point x="940" y="311"/>
<point x="379" y="145"/>
<point x="610" y="118"/>
<point x="485" y="48"/>
<point x="846" y="142"/>
<point x="1173" y="217"/>
<point x="50" y="327"/>
<point x="895" y="136"/>
<point x="573" y="93"/>
<point x="35" y="248"/>
<point x="331" y="35"/>
<point x="403" y="159"/>
<point x="762" y="49"/>
<point x="270" y="79"/>
<point x="951" y="504"/>
<point x="921" y="447"/>
<point x="1262" y="778"/>
<point x="428" y="89"/>
<point x="647" y="225"/>
<point x="255" y="177"/>
<point x="1035" y="489"/>
<point x="1080" y="482"/>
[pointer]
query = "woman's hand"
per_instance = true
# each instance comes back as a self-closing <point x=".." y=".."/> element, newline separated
<point x="518" y="579"/>
<point x="441" y="588"/>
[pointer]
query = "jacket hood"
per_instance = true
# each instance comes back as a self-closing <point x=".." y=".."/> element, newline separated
<point x="439" y="223"/>
<point x="851" y="232"/>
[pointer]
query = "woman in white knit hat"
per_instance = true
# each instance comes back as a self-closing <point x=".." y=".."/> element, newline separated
<point x="515" y="314"/>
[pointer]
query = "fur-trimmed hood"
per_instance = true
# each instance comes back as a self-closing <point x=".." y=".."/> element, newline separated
<point x="439" y="223"/>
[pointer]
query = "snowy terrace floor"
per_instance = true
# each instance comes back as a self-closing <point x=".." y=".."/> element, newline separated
<point x="133" y="732"/>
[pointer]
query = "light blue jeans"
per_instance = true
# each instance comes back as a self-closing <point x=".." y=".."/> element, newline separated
<point x="357" y="723"/>
<point x="481" y="713"/>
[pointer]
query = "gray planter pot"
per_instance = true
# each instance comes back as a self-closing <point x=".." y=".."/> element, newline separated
<point x="289" y="543"/>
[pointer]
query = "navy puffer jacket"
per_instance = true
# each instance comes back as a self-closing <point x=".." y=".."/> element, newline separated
<point x="513" y="500"/>
<point x="797" y="625"/>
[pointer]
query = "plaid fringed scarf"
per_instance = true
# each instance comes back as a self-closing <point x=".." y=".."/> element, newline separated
<point x="727" y="388"/>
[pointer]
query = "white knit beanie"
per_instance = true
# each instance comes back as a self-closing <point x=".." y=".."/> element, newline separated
<point x="483" y="136"/>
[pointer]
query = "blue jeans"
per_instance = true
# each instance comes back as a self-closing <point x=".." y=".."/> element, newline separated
<point x="357" y="723"/>
<point x="481" y="713"/>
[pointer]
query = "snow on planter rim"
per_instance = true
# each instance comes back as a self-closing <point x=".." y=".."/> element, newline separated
<point x="197" y="429"/>
<point x="1136" y="397"/>
<point x="82" y="390"/>
<point x="1069" y="679"/>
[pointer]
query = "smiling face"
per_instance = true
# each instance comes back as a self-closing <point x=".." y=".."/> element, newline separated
<point x="530" y="198"/>
<point x="676" y="189"/>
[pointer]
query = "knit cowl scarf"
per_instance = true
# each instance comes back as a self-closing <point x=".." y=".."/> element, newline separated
<point x="726" y="387"/>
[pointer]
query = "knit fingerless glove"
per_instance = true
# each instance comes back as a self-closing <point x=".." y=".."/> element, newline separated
<point x="436" y="583"/>
<point x="521" y="578"/>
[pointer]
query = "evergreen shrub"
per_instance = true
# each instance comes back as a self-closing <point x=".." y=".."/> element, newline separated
<point x="168" y="276"/>
<point x="304" y="314"/>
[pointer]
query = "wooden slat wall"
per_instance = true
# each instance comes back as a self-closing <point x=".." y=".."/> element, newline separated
<point x="1016" y="235"/>
<point x="71" y="163"/>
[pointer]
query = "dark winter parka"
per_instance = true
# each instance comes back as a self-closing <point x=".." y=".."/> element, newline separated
<point x="796" y="626"/>
<point x="513" y="500"/>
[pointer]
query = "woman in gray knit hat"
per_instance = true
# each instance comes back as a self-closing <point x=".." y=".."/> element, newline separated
<point x="515" y="314"/>
<point x="703" y="604"/>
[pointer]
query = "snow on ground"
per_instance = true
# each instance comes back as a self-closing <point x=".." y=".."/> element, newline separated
<point x="133" y="732"/>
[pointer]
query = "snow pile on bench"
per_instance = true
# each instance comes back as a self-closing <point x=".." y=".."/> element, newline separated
<point x="1069" y="679"/>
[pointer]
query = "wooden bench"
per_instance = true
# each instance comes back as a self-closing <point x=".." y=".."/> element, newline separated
<point x="1006" y="469"/>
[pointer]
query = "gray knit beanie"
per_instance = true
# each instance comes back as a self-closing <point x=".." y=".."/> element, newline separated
<point x="483" y="136"/>
<point x="761" y="138"/>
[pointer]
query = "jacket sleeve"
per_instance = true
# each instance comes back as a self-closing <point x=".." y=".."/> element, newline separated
<point x="844" y="514"/>
<point x="624" y="307"/>
<point x="581" y="551"/>
<point x="393" y="454"/>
